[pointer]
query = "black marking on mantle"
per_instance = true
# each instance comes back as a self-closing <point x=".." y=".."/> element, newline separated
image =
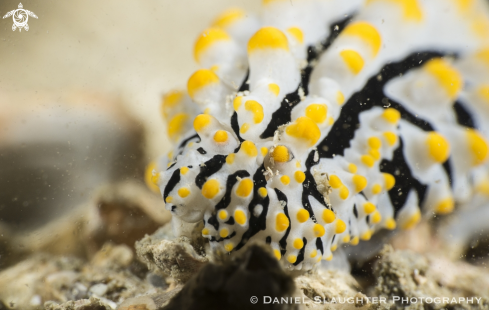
<point x="210" y="167"/>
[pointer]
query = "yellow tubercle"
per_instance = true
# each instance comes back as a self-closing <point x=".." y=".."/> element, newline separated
<point x="237" y="102"/>
<point x="297" y="34"/>
<point x="170" y="100"/>
<point x="313" y="253"/>
<point x="353" y="60"/>
<point x="390" y="224"/>
<point x="366" y="235"/>
<point x="207" y="38"/>
<point x="374" y="143"/>
<point x="249" y="148"/>
<point x="149" y="177"/>
<point x="281" y="222"/>
<point x="244" y="128"/>
<point x="201" y="122"/>
<point x="352" y="168"/>
<point x="329" y="258"/>
<point x="376" y="217"/>
<point x="477" y="146"/>
<point x="304" y="129"/>
<point x="390" y="137"/>
<point x="334" y="247"/>
<point x="184" y="170"/>
<point x="340" y="98"/>
<point x="411" y="9"/>
<point x="240" y="217"/>
<point x="412" y="221"/>
<point x="183" y="192"/>
<point x="389" y="180"/>
<point x="369" y="207"/>
<point x="355" y="240"/>
<point x="176" y="125"/>
<point x="367" y="32"/>
<point x="274" y="88"/>
<point x="264" y="151"/>
<point x="302" y="215"/>
<point x="292" y="259"/>
<point x="230" y="158"/>
<point x="445" y="206"/>
<point x="368" y="160"/>
<point x="360" y="182"/>
<point x="340" y="226"/>
<point x="298" y="243"/>
<point x="346" y="239"/>
<point x="391" y="115"/>
<point x="229" y="17"/>
<point x="229" y="247"/>
<point x="257" y="110"/>
<point x="224" y="233"/>
<point x="299" y="176"/>
<point x="344" y="192"/>
<point x="277" y="254"/>
<point x="448" y="77"/>
<point x="245" y="188"/>
<point x="210" y="188"/>
<point x="280" y="154"/>
<point x="222" y="214"/>
<point x="205" y="231"/>
<point x="317" y="112"/>
<point x="438" y="147"/>
<point x="374" y="153"/>
<point x="169" y="199"/>
<point x="200" y="79"/>
<point x="334" y="181"/>
<point x="268" y="38"/>
<point x="328" y="216"/>
<point x="221" y="136"/>
<point x="318" y="230"/>
<point x="376" y="189"/>
<point x="262" y="191"/>
<point x="285" y="180"/>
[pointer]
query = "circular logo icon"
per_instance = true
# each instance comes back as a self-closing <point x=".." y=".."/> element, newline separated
<point x="254" y="299"/>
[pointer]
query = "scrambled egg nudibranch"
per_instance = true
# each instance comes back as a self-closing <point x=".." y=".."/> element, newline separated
<point x="317" y="124"/>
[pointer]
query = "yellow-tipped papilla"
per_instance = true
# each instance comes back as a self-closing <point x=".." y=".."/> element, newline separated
<point x="305" y="130"/>
<point x="207" y="38"/>
<point x="201" y="79"/>
<point x="366" y="32"/>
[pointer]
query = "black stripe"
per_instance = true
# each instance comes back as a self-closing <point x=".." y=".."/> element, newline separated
<point x="463" y="116"/>
<point x="174" y="179"/>
<point x="210" y="167"/>
<point x="405" y="181"/>
<point x="226" y="199"/>
<point x="372" y="94"/>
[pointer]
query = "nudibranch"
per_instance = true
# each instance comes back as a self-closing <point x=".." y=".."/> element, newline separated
<point x="320" y="122"/>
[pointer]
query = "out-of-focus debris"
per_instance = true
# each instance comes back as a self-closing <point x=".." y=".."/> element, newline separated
<point x="149" y="302"/>
<point x="408" y="274"/>
<point x="256" y="272"/>
<point x="83" y="304"/>
<point x="175" y="258"/>
<point x="124" y="213"/>
<point x="43" y="278"/>
<point x="327" y="285"/>
<point x="54" y="151"/>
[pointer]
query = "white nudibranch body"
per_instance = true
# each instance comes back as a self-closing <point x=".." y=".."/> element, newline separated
<point x="322" y="122"/>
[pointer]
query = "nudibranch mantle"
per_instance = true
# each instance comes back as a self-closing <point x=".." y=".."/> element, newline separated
<point x="323" y="121"/>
